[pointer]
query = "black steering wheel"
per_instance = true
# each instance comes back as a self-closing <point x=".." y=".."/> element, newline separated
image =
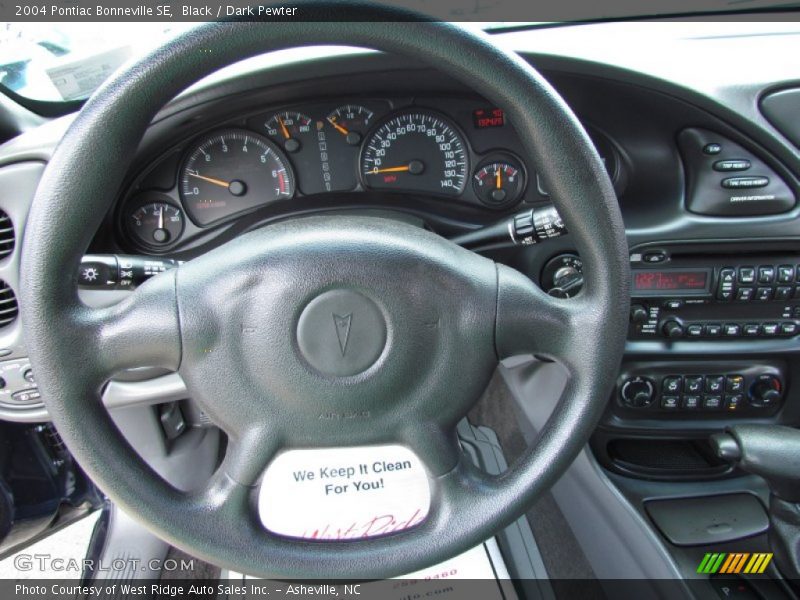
<point x="430" y="319"/>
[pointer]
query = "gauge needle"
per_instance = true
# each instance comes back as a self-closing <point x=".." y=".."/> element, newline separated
<point x="498" y="179"/>
<point x="375" y="171"/>
<point x="338" y="127"/>
<point x="161" y="218"/>
<point x="218" y="182"/>
<point x="283" y="128"/>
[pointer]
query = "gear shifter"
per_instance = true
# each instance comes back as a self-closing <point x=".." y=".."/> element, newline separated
<point x="772" y="452"/>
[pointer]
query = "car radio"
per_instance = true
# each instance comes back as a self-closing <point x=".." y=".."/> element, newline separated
<point x="714" y="298"/>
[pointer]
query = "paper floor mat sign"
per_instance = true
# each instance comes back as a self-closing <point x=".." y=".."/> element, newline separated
<point x="344" y="493"/>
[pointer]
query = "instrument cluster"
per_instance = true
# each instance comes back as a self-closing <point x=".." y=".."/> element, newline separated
<point x="453" y="149"/>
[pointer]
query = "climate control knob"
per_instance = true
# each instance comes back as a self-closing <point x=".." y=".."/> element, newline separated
<point x="766" y="391"/>
<point x="637" y="392"/>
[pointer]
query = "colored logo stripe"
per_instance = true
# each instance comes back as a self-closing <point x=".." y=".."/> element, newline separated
<point x="735" y="562"/>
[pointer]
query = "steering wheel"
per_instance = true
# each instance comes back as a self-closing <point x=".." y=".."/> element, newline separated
<point x="430" y="319"/>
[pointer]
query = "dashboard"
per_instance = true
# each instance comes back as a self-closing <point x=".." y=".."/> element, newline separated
<point x="452" y="150"/>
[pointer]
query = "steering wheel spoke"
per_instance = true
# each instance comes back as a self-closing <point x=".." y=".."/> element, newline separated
<point x="531" y="322"/>
<point x="140" y="331"/>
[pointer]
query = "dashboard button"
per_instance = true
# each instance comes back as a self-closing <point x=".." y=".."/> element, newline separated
<point x="713" y="330"/>
<point x="738" y="183"/>
<point x="764" y="294"/>
<point x="783" y="292"/>
<point x="693" y="384"/>
<point x="769" y="329"/>
<point x="712" y="402"/>
<point x="674" y="304"/>
<point x="745" y="294"/>
<point x="27" y="375"/>
<point x="673" y="329"/>
<point x="27" y="396"/>
<point x="712" y="149"/>
<point x="766" y="274"/>
<point x="691" y="402"/>
<point x="747" y="274"/>
<point x="734" y="402"/>
<point x="669" y="402"/>
<point x="785" y="274"/>
<point x="715" y="384"/>
<point x="751" y="329"/>
<point x="788" y="328"/>
<point x="672" y="384"/>
<point x="736" y="164"/>
<point x="734" y="384"/>
<point x="727" y="279"/>
<point x="694" y="331"/>
<point x="732" y="330"/>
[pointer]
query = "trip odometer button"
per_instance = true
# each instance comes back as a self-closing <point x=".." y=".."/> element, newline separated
<point x="231" y="172"/>
<point x="415" y="150"/>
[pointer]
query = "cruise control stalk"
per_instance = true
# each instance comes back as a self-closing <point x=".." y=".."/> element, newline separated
<point x="524" y="229"/>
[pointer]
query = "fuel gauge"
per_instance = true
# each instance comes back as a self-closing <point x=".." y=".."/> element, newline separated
<point x="498" y="183"/>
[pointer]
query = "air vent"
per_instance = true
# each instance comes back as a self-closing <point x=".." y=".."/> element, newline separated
<point x="6" y="235"/>
<point x="8" y="304"/>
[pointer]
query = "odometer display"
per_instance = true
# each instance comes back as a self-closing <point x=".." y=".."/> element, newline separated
<point x="417" y="151"/>
<point x="232" y="172"/>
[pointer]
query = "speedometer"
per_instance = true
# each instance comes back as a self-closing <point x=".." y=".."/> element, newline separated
<point x="415" y="150"/>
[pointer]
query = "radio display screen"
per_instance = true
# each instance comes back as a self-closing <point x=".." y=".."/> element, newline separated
<point x="670" y="281"/>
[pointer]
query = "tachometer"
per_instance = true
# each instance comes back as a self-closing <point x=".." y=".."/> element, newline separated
<point x="231" y="172"/>
<point x="415" y="150"/>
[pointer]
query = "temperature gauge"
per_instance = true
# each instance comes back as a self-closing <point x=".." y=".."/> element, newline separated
<point x="498" y="183"/>
<point x="290" y="129"/>
<point x="155" y="224"/>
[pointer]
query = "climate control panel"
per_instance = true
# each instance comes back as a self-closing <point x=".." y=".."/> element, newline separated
<point x="690" y="390"/>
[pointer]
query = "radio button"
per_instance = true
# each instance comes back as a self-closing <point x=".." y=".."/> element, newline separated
<point x="669" y="402"/>
<point x="732" y="330"/>
<point x="785" y="274"/>
<point x="770" y="328"/>
<point x="694" y="331"/>
<point x="734" y="403"/>
<point x="788" y="328"/>
<point x="727" y="279"/>
<point x="672" y="384"/>
<point x="734" y="383"/>
<point x="783" y="292"/>
<point x="673" y="304"/>
<point x="747" y="274"/>
<point x="745" y="294"/>
<point x="713" y="330"/>
<point x="691" y="402"/>
<point x="766" y="274"/>
<point x="764" y="294"/>
<point x="715" y="384"/>
<point x="751" y="329"/>
<point x="673" y="329"/>
<point x="712" y="402"/>
<point x="693" y="384"/>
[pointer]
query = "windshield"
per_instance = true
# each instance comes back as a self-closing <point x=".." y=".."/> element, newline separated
<point x="59" y="62"/>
